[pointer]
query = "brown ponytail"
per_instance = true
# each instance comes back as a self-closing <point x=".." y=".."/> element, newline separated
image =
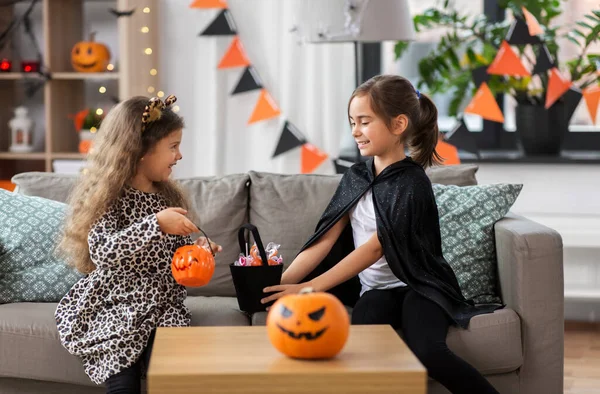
<point x="423" y="139"/>
<point x="393" y="95"/>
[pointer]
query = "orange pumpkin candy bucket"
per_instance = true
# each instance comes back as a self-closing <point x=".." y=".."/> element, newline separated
<point x="193" y="265"/>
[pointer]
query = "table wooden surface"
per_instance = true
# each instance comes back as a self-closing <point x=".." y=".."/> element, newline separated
<point x="242" y="360"/>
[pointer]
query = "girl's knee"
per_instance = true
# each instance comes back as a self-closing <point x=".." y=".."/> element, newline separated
<point x="430" y="354"/>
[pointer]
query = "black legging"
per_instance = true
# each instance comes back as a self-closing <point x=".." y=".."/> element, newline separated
<point x="424" y="326"/>
<point x="128" y="381"/>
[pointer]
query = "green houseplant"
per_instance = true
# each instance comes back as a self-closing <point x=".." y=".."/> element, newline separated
<point x="470" y="42"/>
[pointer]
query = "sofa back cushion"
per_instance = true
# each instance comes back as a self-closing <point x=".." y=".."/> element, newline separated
<point x="286" y="208"/>
<point x="48" y="185"/>
<point x="221" y="204"/>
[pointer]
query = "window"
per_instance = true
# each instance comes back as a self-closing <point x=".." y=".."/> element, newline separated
<point x="407" y="65"/>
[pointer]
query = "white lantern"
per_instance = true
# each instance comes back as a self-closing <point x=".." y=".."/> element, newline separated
<point x="21" y="131"/>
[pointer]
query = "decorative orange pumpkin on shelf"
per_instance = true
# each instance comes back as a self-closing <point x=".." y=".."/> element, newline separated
<point x="90" y="56"/>
<point x="308" y="325"/>
<point x="192" y="266"/>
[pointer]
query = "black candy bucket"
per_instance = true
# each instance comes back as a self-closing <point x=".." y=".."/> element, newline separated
<point x="249" y="281"/>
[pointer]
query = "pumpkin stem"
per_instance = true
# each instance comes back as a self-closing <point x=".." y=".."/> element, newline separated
<point x="92" y="36"/>
<point x="307" y="290"/>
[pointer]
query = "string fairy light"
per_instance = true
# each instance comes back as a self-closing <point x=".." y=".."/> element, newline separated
<point x="144" y="29"/>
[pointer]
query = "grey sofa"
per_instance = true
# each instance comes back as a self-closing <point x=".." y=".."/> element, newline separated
<point x="518" y="348"/>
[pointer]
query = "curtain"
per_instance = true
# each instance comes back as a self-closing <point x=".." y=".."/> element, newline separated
<point x="310" y="83"/>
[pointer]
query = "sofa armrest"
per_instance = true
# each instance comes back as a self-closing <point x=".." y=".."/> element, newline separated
<point x="530" y="264"/>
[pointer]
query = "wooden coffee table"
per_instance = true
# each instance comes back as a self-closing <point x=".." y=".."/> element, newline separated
<point x="242" y="360"/>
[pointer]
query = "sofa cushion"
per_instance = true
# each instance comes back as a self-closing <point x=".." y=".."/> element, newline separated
<point x="216" y="311"/>
<point x="29" y="231"/>
<point x="492" y="343"/>
<point x="467" y="217"/>
<point x="221" y="204"/>
<point x="286" y="208"/>
<point x="30" y="348"/>
<point x="459" y="175"/>
<point x="45" y="184"/>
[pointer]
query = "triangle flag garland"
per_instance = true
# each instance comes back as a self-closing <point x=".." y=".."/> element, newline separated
<point x="484" y="104"/>
<point x="209" y="4"/>
<point x="462" y="138"/>
<point x="543" y="61"/>
<point x="248" y="81"/>
<point x="223" y="25"/>
<point x="557" y="86"/>
<point x="518" y="34"/>
<point x="448" y="152"/>
<point x="507" y="62"/>
<point x="533" y="25"/>
<point x="290" y="138"/>
<point x="311" y="158"/>
<point x="265" y="108"/>
<point x="235" y="56"/>
<point x="592" y="97"/>
<point x="480" y="75"/>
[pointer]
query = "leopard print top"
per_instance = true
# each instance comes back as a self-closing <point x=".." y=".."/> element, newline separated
<point x="108" y="315"/>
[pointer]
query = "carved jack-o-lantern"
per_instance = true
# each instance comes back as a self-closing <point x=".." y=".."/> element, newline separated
<point x="90" y="56"/>
<point x="309" y="325"/>
<point x="192" y="266"/>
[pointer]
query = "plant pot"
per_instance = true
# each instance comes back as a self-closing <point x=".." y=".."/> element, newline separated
<point x="542" y="131"/>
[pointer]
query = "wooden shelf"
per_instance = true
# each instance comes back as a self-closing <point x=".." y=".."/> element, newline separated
<point x="85" y="76"/>
<point x="63" y="25"/>
<point x="68" y="156"/>
<point x="15" y="76"/>
<point x="22" y="156"/>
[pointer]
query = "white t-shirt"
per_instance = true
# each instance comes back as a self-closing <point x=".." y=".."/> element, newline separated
<point x="362" y="218"/>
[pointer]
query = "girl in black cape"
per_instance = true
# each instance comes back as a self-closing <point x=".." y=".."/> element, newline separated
<point x="377" y="246"/>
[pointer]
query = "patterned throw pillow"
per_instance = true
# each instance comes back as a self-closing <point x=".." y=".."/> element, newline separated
<point x="29" y="231"/>
<point x="467" y="218"/>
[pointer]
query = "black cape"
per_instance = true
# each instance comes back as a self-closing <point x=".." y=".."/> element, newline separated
<point x="408" y="229"/>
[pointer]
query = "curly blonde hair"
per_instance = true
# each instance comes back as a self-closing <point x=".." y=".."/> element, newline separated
<point x="119" y="146"/>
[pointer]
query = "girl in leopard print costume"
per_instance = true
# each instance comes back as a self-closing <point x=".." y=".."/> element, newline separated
<point x="127" y="219"/>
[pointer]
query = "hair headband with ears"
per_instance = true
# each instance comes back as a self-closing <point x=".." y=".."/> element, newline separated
<point x="154" y="108"/>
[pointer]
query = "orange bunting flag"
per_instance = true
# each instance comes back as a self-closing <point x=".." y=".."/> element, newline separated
<point x="592" y="97"/>
<point x="265" y="108"/>
<point x="448" y="152"/>
<point x="532" y="23"/>
<point x="209" y="4"/>
<point x="235" y="56"/>
<point x="507" y="62"/>
<point x="311" y="158"/>
<point x="484" y="104"/>
<point x="557" y="86"/>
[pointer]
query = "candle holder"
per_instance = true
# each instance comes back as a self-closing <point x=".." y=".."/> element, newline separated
<point x="21" y="127"/>
<point x="5" y="66"/>
<point x="30" y="66"/>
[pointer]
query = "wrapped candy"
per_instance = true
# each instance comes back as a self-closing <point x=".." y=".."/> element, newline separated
<point x="252" y="258"/>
